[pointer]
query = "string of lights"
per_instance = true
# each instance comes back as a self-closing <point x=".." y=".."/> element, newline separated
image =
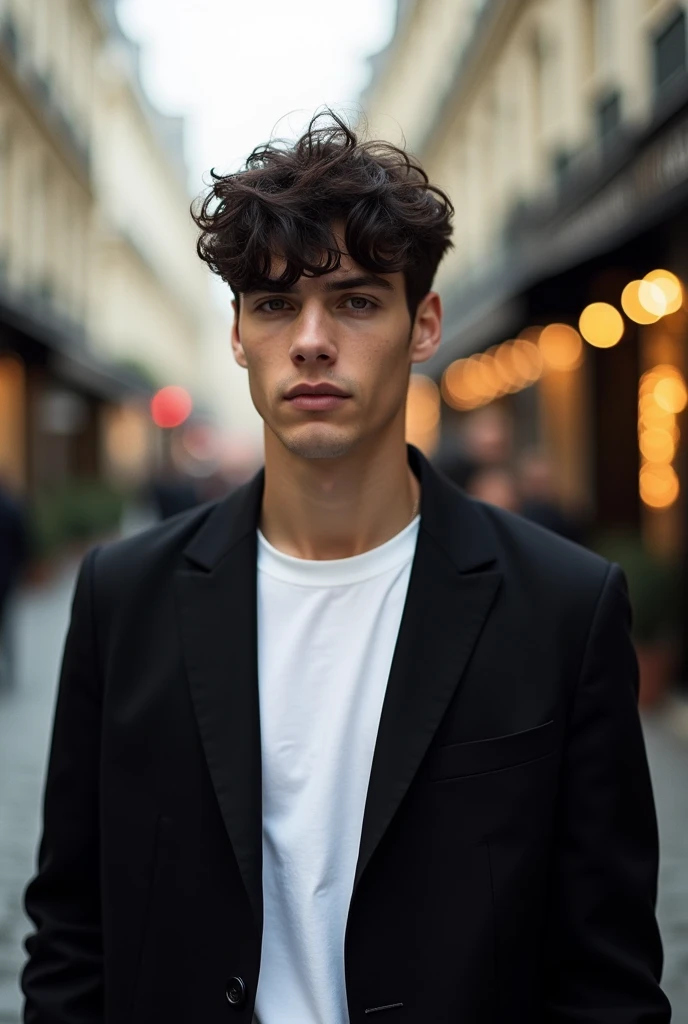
<point x="518" y="363"/>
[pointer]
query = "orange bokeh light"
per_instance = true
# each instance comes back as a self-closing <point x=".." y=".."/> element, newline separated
<point x="643" y="302"/>
<point x="601" y="325"/>
<point x="561" y="347"/>
<point x="659" y="485"/>
<point x="670" y="286"/>
<point x="670" y="394"/>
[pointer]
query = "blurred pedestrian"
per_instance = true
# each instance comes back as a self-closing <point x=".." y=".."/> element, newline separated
<point x="324" y="747"/>
<point x="489" y="436"/>
<point x="539" y="500"/>
<point x="486" y="442"/>
<point x="495" y="486"/>
<point x="171" y="493"/>
<point x="14" y="550"/>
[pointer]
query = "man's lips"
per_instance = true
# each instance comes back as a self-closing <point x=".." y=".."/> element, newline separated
<point x="316" y="397"/>
<point x="316" y="389"/>
<point x="317" y="403"/>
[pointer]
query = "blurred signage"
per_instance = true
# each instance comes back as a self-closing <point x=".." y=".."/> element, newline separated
<point x="548" y="241"/>
<point x="659" y="168"/>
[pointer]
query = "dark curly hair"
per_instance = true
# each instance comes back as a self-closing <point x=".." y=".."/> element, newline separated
<point x="289" y="196"/>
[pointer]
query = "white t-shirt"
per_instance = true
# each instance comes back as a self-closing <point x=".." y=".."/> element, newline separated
<point x="326" y="636"/>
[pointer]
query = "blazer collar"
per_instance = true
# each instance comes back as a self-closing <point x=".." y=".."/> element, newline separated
<point x="230" y="521"/>
<point x="451" y="518"/>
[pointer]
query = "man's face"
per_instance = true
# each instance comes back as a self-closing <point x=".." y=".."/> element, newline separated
<point x="329" y="359"/>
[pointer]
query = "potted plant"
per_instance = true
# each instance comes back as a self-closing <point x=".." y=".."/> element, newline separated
<point x="653" y="585"/>
<point x="68" y="519"/>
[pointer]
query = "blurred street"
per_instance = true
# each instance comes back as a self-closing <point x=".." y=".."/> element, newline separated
<point x="25" y="720"/>
<point x="25" y="717"/>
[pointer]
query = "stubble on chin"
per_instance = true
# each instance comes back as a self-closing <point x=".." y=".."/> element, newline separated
<point x="317" y="447"/>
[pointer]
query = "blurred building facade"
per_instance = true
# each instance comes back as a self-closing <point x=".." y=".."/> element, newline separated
<point x="560" y="130"/>
<point x="102" y="298"/>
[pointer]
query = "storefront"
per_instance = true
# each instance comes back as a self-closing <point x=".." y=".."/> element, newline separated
<point x="582" y="332"/>
<point x="58" y="401"/>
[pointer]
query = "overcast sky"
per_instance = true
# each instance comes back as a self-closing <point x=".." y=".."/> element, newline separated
<point x="237" y="67"/>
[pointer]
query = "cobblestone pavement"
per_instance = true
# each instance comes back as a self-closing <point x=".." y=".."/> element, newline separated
<point x="25" y="719"/>
<point x="668" y="755"/>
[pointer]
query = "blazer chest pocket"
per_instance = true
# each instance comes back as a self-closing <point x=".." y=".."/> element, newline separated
<point x="478" y="757"/>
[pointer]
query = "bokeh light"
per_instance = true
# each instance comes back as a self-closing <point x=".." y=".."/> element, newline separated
<point x="455" y="389"/>
<point x="670" y="394"/>
<point x="531" y="333"/>
<point x="171" y="406"/>
<point x="422" y="413"/>
<point x="481" y="378"/>
<point x="510" y="367"/>
<point x="126" y="439"/>
<point x="485" y="380"/>
<point x="657" y="445"/>
<point x="501" y="367"/>
<point x="670" y="286"/>
<point x="527" y="360"/>
<point x="659" y="485"/>
<point x="423" y="401"/>
<point x="652" y="298"/>
<point x="637" y="298"/>
<point x="653" y="417"/>
<point x="661" y="395"/>
<point x="601" y="325"/>
<point x="561" y="347"/>
<point x="504" y="364"/>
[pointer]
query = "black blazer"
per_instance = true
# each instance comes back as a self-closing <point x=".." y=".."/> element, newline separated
<point x="508" y="857"/>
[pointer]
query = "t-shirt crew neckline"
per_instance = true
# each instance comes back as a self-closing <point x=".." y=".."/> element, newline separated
<point x="309" y="572"/>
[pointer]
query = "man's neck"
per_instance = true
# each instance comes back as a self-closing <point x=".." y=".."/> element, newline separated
<point x="336" y="508"/>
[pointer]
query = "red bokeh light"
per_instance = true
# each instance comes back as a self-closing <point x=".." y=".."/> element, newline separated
<point x="171" y="406"/>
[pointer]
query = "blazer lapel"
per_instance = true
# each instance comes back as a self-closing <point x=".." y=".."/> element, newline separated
<point x="451" y="592"/>
<point x="216" y="595"/>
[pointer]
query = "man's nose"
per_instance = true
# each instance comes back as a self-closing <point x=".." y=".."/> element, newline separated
<point x="312" y="341"/>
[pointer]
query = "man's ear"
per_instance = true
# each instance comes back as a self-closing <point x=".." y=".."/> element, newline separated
<point x="237" y="347"/>
<point x="427" y="328"/>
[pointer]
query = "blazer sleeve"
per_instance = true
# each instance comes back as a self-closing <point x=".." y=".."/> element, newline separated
<point x="603" y="951"/>
<point x="63" y="977"/>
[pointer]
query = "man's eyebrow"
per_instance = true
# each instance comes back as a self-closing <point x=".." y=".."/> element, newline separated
<point x="270" y="286"/>
<point x="345" y="284"/>
<point x="342" y="284"/>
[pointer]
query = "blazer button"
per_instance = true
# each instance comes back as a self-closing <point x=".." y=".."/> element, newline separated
<point x="236" y="991"/>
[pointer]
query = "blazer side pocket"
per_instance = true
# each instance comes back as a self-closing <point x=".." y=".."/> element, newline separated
<point x="478" y="757"/>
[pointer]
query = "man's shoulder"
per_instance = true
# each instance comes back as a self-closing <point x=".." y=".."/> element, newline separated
<point x="153" y="550"/>
<point x="537" y="556"/>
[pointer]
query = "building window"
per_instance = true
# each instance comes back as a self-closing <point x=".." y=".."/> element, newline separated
<point x="9" y="36"/>
<point x="670" y="51"/>
<point x="608" y="116"/>
<point x="561" y="165"/>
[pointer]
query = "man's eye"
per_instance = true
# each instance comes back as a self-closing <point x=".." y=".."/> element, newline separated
<point x="273" y="305"/>
<point x="359" y="302"/>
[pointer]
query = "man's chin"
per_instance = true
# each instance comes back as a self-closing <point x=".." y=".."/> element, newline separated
<point x="317" y="443"/>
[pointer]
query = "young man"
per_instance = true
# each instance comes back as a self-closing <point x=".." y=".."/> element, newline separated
<point x="347" y="745"/>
